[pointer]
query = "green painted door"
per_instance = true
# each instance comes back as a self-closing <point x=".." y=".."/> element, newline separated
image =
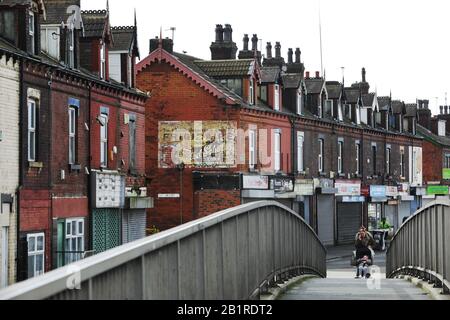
<point x="106" y="229"/>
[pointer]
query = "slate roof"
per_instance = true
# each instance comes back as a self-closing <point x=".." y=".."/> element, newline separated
<point x="57" y="10"/>
<point x="352" y="95"/>
<point x="226" y="68"/>
<point x="95" y="23"/>
<point x="427" y="134"/>
<point x="334" y="89"/>
<point x="123" y="39"/>
<point x="368" y="99"/>
<point x="314" y="85"/>
<point x="411" y="110"/>
<point x="291" y="80"/>
<point x="384" y="102"/>
<point x="12" y="3"/>
<point x="397" y="107"/>
<point x="270" y="74"/>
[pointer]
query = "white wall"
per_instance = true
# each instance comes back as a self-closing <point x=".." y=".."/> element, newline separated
<point x="9" y="151"/>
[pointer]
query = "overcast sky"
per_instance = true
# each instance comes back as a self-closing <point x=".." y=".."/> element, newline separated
<point x="404" y="45"/>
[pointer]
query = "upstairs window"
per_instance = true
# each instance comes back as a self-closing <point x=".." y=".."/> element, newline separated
<point x="402" y="163"/>
<point x="32" y="130"/>
<point x="358" y="158"/>
<point x="300" y="151"/>
<point x="50" y="41"/>
<point x="329" y="107"/>
<point x="71" y="48"/>
<point x="277" y="151"/>
<point x="132" y="142"/>
<point x="234" y="85"/>
<point x="251" y="93"/>
<point x="72" y="135"/>
<point x="7" y="24"/>
<point x="340" y="114"/>
<point x="340" y="157"/>
<point x="299" y="103"/>
<point x="276" y="98"/>
<point x="374" y="160"/>
<point x="103" y="61"/>
<point x="103" y="140"/>
<point x="321" y="155"/>
<point x="388" y="160"/>
<point x="31" y="27"/>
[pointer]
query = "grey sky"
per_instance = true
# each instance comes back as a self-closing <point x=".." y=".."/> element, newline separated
<point x="402" y="44"/>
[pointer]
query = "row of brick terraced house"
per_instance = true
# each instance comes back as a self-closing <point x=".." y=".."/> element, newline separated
<point x="341" y="156"/>
<point x="72" y="130"/>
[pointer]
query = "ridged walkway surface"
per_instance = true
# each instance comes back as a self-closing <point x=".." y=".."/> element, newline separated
<point x="342" y="285"/>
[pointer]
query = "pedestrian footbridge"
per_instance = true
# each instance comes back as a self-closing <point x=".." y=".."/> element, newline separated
<point x="240" y="253"/>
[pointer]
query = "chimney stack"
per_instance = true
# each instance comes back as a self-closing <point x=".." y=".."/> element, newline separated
<point x="255" y="43"/>
<point x="363" y="75"/>
<point x="317" y="74"/>
<point x="297" y="55"/>
<point x="446" y="109"/>
<point x="442" y="109"/>
<point x="269" y="50"/>
<point x="277" y="50"/>
<point x="307" y="75"/>
<point x="246" y="39"/>
<point x="219" y="33"/>
<point x="290" y="55"/>
<point x="228" y="33"/>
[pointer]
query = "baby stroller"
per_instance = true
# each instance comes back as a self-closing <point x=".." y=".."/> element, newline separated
<point x="359" y="253"/>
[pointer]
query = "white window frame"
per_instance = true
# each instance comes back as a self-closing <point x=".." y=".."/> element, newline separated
<point x="46" y="35"/>
<point x="130" y="71"/>
<point x="358" y="154"/>
<point x="35" y="252"/>
<point x="277" y="150"/>
<point x="340" y="157"/>
<point x="251" y="92"/>
<point x="276" y="98"/>
<point x="103" y="60"/>
<point x="72" y="135"/>
<point x="340" y="112"/>
<point x="73" y="240"/>
<point x="32" y="30"/>
<point x="299" y="102"/>
<point x="402" y="163"/>
<point x="252" y="149"/>
<point x="300" y="151"/>
<point x="104" y="141"/>
<point x="32" y="108"/>
<point x="320" y="157"/>
<point x="319" y="110"/>
<point x="331" y="106"/>
<point x="388" y="160"/>
<point x="71" y="47"/>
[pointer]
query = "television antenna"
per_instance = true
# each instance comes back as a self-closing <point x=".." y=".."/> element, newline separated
<point x="173" y="29"/>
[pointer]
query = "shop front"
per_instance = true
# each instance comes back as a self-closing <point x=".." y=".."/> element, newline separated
<point x="349" y="210"/>
<point x="256" y="188"/>
<point x="304" y="191"/>
<point x="134" y="217"/>
<point x="391" y="208"/>
<point x="325" y="210"/>
<point x="375" y="206"/>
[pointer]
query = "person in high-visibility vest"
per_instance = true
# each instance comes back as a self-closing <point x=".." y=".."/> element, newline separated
<point x="384" y="224"/>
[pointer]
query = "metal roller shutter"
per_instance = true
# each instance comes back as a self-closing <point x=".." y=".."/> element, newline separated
<point x="105" y="229"/>
<point x="325" y="224"/>
<point x="348" y="221"/>
<point x="133" y="225"/>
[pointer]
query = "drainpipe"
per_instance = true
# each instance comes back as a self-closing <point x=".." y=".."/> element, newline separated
<point x="89" y="187"/>
<point x="21" y="170"/>
<point x="50" y="173"/>
<point x="294" y="156"/>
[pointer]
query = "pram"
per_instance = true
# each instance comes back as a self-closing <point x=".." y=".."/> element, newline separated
<point x="361" y="252"/>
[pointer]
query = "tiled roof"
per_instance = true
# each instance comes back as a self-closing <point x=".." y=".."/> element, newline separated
<point x="411" y="110"/>
<point x="334" y="89"/>
<point x="384" y="102"/>
<point x="291" y="80"/>
<point x="368" y="99"/>
<point x="226" y="68"/>
<point x="314" y="85"/>
<point x="397" y="107"/>
<point x="270" y="74"/>
<point x="427" y="134"/>
<point x="57" y="10"/>
<point x="123" y="38"/>
<point x="94" y="23"/>
<point x="352" y="95"/>
<point x="12" y="3"/>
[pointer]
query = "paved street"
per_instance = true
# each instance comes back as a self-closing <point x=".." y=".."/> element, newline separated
<point x="341" y="285"/>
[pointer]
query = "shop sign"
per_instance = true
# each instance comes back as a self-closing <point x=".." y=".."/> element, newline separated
<point x="353" y="199"/>
<point x="304" y="187"/>
<point x="378" y="191"/>
<point x="282" y="184"/>
<point x="365" y="191"/>
<point x="393" y="203"/>
<point x="446" y="174"/>
<point x="392" y="191"/>
<point x="255" y="182"/>
<point x="437" y="190"/>
<point x="348" y="188"/>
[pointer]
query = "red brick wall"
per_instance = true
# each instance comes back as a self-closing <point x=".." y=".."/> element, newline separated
<point x="432" y="160"/>
<point x="212" y="201"/>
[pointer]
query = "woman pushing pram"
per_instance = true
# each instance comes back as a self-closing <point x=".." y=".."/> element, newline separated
<point x="363" y="255"/>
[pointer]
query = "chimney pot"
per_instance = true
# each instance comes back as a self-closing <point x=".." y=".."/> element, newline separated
<point x="317" y="74"/>
<point x="277" y="50"/>
<point x="246" y="39"/>
<point x="297" y="55"/>
<point x="442" y="109"/>
<point x="446" y="109"/>
<point x="227" y="33"/>
<point x="307" y="75"/>
<point x="363" y="75"/>
<point x="255" y="42"/>
<point x="290" y="55"/>
<point x="219" y="33"/>
<point x="269" y="50"/>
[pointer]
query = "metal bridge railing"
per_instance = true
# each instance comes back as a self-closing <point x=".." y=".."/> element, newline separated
<point x="233" y="254"/>
<point x="421" y="247"/>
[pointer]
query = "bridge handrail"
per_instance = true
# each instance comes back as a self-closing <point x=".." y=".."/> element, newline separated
<point x="140" y="260"/>
<point x="421" y="246"/>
